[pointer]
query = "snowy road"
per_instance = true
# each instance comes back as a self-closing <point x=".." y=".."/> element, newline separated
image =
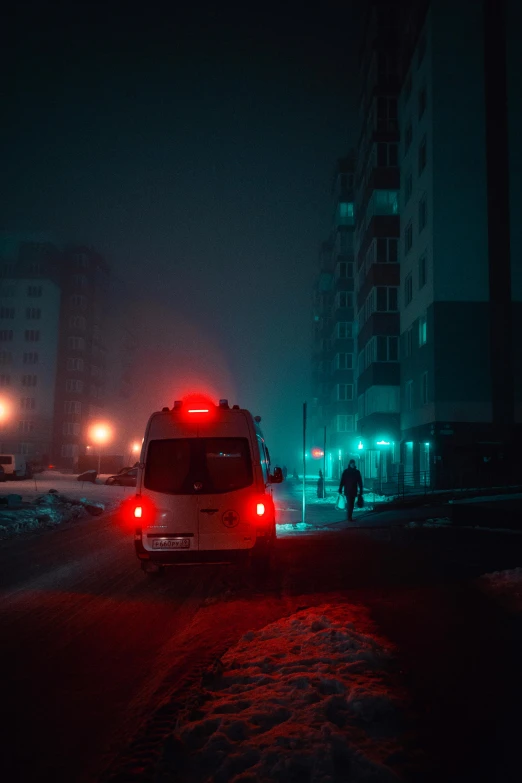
<point x="90" y="649"/>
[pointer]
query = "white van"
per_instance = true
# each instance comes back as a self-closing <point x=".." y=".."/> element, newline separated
<point x="204" y="488"/>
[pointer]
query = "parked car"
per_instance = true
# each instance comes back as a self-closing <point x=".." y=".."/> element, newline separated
<point x="15" y="466"/>
<point x="125" y="478"/>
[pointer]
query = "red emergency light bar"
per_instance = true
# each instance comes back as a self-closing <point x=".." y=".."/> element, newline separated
<point x="198" y="410"/>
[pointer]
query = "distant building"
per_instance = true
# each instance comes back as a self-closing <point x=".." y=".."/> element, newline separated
<point x="82" y="364"/>
<point x="66" y="350"/>
<point x="30" y="301"/>
<point x="333" y="408"/>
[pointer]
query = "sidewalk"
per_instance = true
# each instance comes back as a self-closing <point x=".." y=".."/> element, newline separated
<point x="321" y="514"/>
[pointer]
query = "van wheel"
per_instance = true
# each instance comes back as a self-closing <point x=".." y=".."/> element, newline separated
<point x="152" y="569"/>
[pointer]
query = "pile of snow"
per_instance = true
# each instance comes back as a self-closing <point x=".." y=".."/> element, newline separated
<point x="505" y="585"/>
<point x="431" y="522"/>
<point x="47" y="510"/>
<point x="308" y="698"/>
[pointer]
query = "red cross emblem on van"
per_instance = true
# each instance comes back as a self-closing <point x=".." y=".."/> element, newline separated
<point x="230" y="518"/>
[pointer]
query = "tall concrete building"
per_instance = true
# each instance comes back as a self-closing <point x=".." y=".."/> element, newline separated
<point x="82" y="352"/>
<point x="333" y="408"/>
<point x="377" y="230"/>
<point x="66" y="350"/>
<point x="460" y="259"/>
<point x="30" y="302"/>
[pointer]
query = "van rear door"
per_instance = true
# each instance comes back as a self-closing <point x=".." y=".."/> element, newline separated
<point x="227" y="502"/>
<point x="169" y="482"/>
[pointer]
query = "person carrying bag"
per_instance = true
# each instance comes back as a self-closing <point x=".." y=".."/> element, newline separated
<point x="351" y="481"/>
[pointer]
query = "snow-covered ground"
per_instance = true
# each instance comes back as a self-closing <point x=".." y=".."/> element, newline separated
<point x="308" y="697"/>
<point x="42" y="508"/>
<point x="66" y="484"/>
<point x="506" y="586"/>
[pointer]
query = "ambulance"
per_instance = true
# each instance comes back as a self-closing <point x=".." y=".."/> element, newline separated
<point x="204" y="488"/>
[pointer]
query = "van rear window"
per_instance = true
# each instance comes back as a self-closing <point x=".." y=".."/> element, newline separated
<point x="6" y="459"/>
<point x="180" y="466"/>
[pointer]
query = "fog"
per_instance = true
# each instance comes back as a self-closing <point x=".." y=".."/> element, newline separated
<point x="196" y="153"/>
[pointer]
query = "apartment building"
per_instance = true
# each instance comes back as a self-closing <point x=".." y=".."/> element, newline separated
<point x="333" y="408"/>
<point x="460" y="279"/>
<point x="30" y="300"/>
<point x="377" y="230"/>
<point x="82" y="355"/>
<point x="67" y="348"/>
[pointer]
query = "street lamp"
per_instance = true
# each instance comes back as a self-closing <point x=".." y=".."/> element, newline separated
<point x="101" y="434"/>
<point x="4" y="411"/>
<point x="134" y="449"/>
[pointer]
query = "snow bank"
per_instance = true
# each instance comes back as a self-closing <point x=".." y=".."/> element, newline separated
<point x="47" y="510"/>
<point x="431" y="522"/>
<point x="307" y="698"/>
<point x="505" y="585"/>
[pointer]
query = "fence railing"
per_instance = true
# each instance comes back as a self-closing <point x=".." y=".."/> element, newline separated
<point x="427" y="482"/>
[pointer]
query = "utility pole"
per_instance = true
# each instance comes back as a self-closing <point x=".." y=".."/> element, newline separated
<point x="324" y="463"/>
<point x="304" y="462"/>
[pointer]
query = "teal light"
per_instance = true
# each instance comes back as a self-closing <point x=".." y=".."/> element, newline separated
<point x="360" y="445"/>
<point x="383" y="443"/>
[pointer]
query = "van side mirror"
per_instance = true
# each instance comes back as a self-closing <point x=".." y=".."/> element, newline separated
<point x="277" y="476"/>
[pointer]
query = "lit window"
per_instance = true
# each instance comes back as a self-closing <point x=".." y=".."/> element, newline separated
<point x="423" y="330"/>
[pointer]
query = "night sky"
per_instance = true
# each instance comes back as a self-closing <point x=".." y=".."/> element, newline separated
<point x="195" y="149"/>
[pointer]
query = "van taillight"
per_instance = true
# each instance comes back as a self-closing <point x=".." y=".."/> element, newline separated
<point x="260" y="509"/>
<point x="137" y="511"/>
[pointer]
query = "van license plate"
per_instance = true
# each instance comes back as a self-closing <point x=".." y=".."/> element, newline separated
<point x="171" y="543"/>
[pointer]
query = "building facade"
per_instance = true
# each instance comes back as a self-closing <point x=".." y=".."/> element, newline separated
<point x="67" y="348"/>
<point x="459" y="265"/>
<point x="333" y="379"/>
<point x="30" y="302"/>
<point x="82" y="354"/>
<point x="377" y="230"/>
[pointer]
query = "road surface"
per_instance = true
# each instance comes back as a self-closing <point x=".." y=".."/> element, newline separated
<point x="90" y="647"/>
